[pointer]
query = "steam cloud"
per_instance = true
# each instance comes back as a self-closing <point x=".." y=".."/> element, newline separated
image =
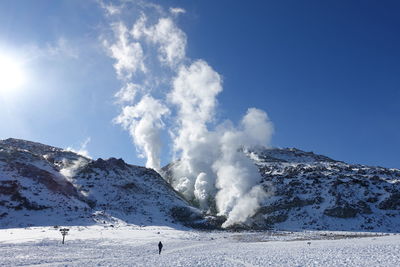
<point x="164" y="91"/>
<point x="144" y="124"/>
<point x="83" y="148"/>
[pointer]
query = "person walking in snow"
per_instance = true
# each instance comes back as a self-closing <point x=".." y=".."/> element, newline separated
<point x="160" y="245"/>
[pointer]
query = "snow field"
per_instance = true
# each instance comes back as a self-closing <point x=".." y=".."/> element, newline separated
<point x="137" y="246"/>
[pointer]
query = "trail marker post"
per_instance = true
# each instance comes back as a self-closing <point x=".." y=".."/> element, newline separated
<point x="64" y="232"/>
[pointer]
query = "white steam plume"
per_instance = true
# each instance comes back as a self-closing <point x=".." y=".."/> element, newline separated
<point x="239" y="194"/>
<point x="194" y="91"/>
<point x="127" y="93"/>
<point x="176" y="10"/>
<point x="127" y="53"/>
<point x="71" y="167"/>
<point x="171" y="41"/>
<point x="167" y="43"/>
<point x="161" y="83"/>
<point x="83" y="151"/>
<point x="144" y="124"/>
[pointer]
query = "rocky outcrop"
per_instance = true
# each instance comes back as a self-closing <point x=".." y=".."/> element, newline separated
<point x="316" y="192"/>
<point x="391" y="203"/>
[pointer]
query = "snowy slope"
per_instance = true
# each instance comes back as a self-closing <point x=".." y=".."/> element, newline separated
<point x="44" y="185"/>
<point x="315" y="192"/>
<point x="310" y="191"/>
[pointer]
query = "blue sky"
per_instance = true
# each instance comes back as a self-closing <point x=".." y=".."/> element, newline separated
<point x="325" y="72"/>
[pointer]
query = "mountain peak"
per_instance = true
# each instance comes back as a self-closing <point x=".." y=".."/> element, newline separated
<point x="28" y="145"/>
<point x="293" y="155"/>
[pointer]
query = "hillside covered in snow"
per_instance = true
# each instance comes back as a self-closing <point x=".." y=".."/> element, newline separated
<point x="42" y="185"/>
<point x="312" y="191"/>
<point x="309" y="191"/>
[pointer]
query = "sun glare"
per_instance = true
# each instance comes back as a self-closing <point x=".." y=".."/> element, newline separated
<point x="12" y="76"/>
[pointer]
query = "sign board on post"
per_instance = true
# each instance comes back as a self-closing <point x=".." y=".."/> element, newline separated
<point x="64" y="232"/>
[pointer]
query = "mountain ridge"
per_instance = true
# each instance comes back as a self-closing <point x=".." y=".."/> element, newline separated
<point x="45" y="185"/>
<point x="307" y="192"/>
<point x="316" y="192"/>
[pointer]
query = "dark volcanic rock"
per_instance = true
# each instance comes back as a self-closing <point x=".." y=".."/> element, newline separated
<point x="341" y="212"/>
<point x="391" y="203"/>
<point x="315" y="192"/>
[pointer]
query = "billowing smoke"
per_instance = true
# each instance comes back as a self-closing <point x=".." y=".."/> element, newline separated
<point x="144" y="122"/>
<point x="163" y="91"/>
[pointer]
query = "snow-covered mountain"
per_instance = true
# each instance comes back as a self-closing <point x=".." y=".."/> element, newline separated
<point x="45" y="185"/>
<point x="311" y="191"/>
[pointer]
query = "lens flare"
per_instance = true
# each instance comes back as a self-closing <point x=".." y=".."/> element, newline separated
<point x="12" y="76"/>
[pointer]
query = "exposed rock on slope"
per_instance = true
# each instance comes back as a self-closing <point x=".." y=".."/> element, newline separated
<point x="311" y="191"/>
<point x="44" y="185"/>
<point x="315" y="192"/>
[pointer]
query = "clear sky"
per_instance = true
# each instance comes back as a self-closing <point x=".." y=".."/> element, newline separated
<point x="327" y="73"/>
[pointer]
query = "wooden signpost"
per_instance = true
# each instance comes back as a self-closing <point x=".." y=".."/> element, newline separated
<point x="64" y="232"/>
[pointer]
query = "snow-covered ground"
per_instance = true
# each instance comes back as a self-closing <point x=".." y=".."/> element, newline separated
<point x="137" y="246"/>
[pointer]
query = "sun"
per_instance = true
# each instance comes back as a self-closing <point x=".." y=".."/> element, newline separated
<point x="12" y="76"/>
